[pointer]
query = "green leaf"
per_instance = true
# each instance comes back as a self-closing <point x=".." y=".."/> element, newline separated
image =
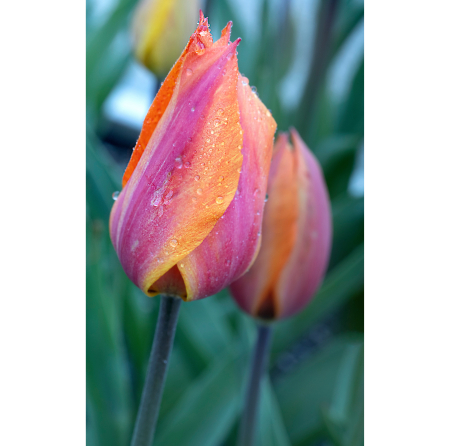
<point x="311" y="387"/>
<point x="207" y="409"/>
<point x="271" y="429"/>
<point x="348" y="227"/>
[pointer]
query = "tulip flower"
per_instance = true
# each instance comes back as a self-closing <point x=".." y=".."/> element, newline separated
<point x="160" y="31"/>
<point x="295" y="248"/>
<point x="296" y="236"/>
<point x="187" y="221"/>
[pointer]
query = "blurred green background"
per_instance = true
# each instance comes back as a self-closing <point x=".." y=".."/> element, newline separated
<point x="306" y="60"/>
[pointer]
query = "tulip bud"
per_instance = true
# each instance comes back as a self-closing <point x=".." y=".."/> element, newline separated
<point x="160" y="30"/>
<point x="296" y="236"/>
<point x="187" y="221"/>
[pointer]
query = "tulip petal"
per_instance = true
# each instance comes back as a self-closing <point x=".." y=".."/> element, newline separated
<point x="230" y="248"/>
<point x="254" y="292"/>
<point x="188" y="173"/>
<point x="309" y="259"/>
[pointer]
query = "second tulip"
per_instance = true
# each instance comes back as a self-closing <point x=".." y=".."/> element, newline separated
<point x="296" y="237"/>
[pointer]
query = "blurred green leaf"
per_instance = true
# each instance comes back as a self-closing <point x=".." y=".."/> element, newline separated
<point x="352" y="115"/>
<point x="312" y="386"/>
<point x="344" y="419"/>
<point x="348" y="226"/>
<point x="108" y="386"/>
<point x="271" y="429"/>
<point x="207" y="409"/>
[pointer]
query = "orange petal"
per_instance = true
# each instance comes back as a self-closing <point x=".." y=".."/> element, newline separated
<point x="230" y="248"/>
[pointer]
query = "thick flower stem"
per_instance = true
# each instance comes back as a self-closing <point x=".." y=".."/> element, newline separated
<point x="144" y="429"/>
<point x="248" y="421"/>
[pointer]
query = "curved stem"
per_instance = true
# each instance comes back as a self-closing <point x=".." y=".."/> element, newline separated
<point x="144" y="428"/>
<point x="248" y="422"/>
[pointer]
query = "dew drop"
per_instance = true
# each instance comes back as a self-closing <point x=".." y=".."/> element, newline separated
<point x="220" y="111"/>
<point x="199" y="190"/>
<point x="267" y="197"/>
<point x="219" y="200"/>
<point x="115" y="195"/>
<point x="221" y="178"/>
<point x="216" y="123"/>
<point x="197" y="177"/>
<point x="254" y="89"/>
<point x="178" y="163"/>
<point x="173" y="243"/>
<point x="193" y="109"/>
<point x="181" y="265"/>
<point x="189" y="72"/>
<point x="256" y="192"/>
<point x="208" y="140"/>
<point x="228" y="262"/>
<point x="187" y="164"/>
<point x="194" y="199"/>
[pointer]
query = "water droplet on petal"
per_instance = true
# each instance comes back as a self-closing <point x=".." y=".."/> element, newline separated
<point x="199" y="190"/>
<point x="187" y="164"/>
<point x="219" y="200"/>
<point x="228" y="262"/>
<point x="193" y="109"/>
<point x="115" y="195"/>
<point x="267" y="197"/>
<point x="178" y="163"/>
<point x="189" y="72"/>
<point x="197" y="177"/>
<point x="221" y="178"/>
<point x="173" y="243"/>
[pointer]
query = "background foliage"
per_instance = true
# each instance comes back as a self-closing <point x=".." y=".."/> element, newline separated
<point x="314" y="393"/>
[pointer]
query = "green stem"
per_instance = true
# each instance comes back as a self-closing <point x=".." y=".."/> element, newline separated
<point x="144" y="428"/>
<point x="248" y="422"/>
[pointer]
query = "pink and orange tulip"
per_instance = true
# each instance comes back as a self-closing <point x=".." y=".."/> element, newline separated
<point x="188" y="218"/>
<point x="296" y="236"/>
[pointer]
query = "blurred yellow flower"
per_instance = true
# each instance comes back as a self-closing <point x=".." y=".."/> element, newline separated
<point x="160" y="30"/>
